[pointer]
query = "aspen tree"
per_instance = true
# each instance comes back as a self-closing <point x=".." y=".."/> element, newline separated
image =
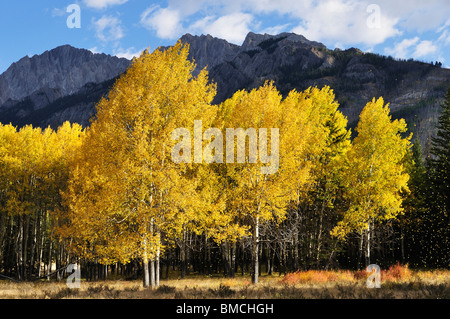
<point x="375" y="175"/>
<point x="126" y="192"/>
<point x="254" y="195"/>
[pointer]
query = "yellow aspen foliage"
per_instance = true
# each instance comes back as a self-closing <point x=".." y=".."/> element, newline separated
<point x="374" y="175"/>
<point x="273" y="140"/>
<point x="326" y="151"/>
<point x="34" y="169"/>
<point x="323" y="130"/>
<point x="125" y="190"/>
<point x="34" y="166"/>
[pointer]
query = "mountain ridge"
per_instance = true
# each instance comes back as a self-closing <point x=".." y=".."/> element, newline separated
<point x="65" y="68"/>
<point x="65" y="83"/>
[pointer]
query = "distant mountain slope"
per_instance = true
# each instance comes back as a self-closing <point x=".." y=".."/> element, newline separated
<point x="413" y="89"/>
<point x="32" y="84"/>
<point x="65" y="83"/>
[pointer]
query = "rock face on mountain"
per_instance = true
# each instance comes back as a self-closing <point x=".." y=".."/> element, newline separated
<point x="65" y="83"/>
<point x="40" y="80"/>
<point x="208" y="51"/>
<point x="414" y="89"/>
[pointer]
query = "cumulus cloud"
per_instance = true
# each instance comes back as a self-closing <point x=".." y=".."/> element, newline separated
<point x="335" y="22"/>
<point x="413" y="47"/>
<point x="343" y="21"/>
<point x="166" y="22"/>
<point x="233" y="27"/>
<point x="347" y="23"/>
<point x="108" y="28"/>
<point x="401" y="50"/>
<point x="101" y="4"/>
<point x="417" y="15"/>
<point x="129" y="53"/>
<point x="424" y="48"/>
<point x="277" y="29"/>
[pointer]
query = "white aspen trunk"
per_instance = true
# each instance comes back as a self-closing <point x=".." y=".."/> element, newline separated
<point x="368" y="245"/>
<point x="157" y="266"/>
<point x="152" y="273"/>
<point x="152" y="259"/>
<point x="145" y="266"/>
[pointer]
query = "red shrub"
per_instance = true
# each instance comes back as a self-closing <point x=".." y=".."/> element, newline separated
<point x="396" y="272"/>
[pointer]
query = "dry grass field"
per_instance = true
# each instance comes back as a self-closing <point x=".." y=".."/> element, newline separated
<point x="396" y="283"/>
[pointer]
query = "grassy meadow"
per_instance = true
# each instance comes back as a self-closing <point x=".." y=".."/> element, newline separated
<point x="398" y="282"/>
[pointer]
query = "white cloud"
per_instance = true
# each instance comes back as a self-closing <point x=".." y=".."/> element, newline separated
<point x="101" y="4"/>
<point x="444" y="26"/>
<point x="129" y="53"/>
<point x="57" y="12"/>
<point x="418" y="15"/>
<point x="233" y="27"/>
<point x="108" y="28"/>
<point x="94" y="50"/>
<point x="424" y="48"/>
<point x="445" y="37"/>
<point x="401" y="50"/>
<point x="166" y="22"/>
<point x="412" y="48"/>
<point x="348" y="23"/>
<point x="276" y="29"/>
<point x="343" y="22"/>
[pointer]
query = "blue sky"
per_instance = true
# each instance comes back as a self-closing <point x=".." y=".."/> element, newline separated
<point x="403" y="29"/>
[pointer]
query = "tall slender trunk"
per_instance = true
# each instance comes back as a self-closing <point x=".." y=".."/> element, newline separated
<point x="49" y="262"/>
<point x="319" y="236"/>
<point x="242" y="257"/>
<point x="152" y="273"/>
<point x="255" y="252"/>
<point x="3" y="228"/>
<point x="146" y="278"/>
<point x="157" y="265"/>
<point x="50" y="247"/>
<point x="226" y="260"/>
<point x="367" y="255"/>
<point x="58" y="262"/>
<point x="152" y="258"/>
<point x="295" y="251"/>
<point x="34" y="245"/>
<point x="361" y="241"/>
<point x="40" y="254"/>
<point x="168" y="259"/>
<point x="233" y="259"/>
<point x="208" y="256"/>
<point x="19" y="248"/>
<point x="183" y="255"/>
<point x="146" y="273"/>
<point x="271" y="258"/>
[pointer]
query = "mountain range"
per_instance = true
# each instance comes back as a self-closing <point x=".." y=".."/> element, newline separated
<point x="65" y="83"/>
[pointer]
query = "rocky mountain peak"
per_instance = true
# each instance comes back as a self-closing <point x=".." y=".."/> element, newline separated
<point x="65" y="83"/>
<point x="208" y="51"/>
<point x="65" y="68"/>
<point x="253" y="40"/>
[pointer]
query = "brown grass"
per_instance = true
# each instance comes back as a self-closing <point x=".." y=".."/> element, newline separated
<point x="396" y="282"/>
